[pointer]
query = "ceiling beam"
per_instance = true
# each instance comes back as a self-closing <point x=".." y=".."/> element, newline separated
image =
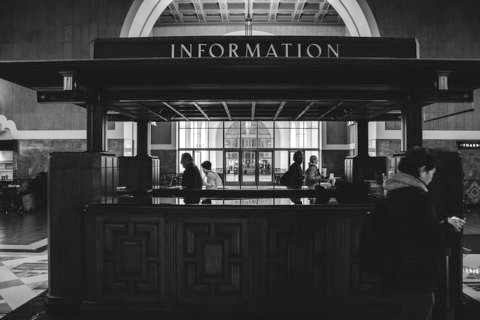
<point x="227" y="111"/>
<point x="322" y="12"/>
<point x="157" y="114"/>
<point x="248" y="8"/>
<point x="223" y="10"/>
<point x="383" y="111"/>
<point x="175" y="110"/>
<point x="272" y="15"/>
<point x="254" y="104"/>
<point x="175" y="11"/>
<point x="197" y="4"/>
<point x="280" y="108"/>
<point x="307" y="107"/>
<point x="333" y="108"/>
<point x="201" y="110"/>
<point x="297" y="13"/>
<point x="122" y="112"/>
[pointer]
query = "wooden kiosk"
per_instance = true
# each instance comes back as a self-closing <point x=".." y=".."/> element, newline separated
<point x="154" y="253"/>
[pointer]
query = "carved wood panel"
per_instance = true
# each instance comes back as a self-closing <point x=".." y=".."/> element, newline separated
<point x="213" y="261"/>
<point x="132" y="259"/>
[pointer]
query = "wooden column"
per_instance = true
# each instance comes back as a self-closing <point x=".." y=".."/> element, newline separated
<point x="412" y="125"/>
<point x="96" y="125"/>
<point x="362" y="138"/>
<point x="143" y="138"/>
<point x="75" y="179"/>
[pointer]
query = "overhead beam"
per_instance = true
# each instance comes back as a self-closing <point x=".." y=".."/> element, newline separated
<point x="335" y="107"/>
<point x="227" y="111"/>
<point x="272" y="15"/>
<point x="177" y="14"/>
<point x="280" y="108"/>
<point x="384" y="111"/>
<point x="122" y="112"/>
<point x="449" y="115"/>
<point x="223" y="10"/>
<point x="297" y="13"/>
<point x="175" y="110"/>
<point x="322" y="12"/>
<point x="249" y="8"/>
<point x="157" y="114"/>
<point x="199" y="10"/>
<point x="201" y="110"/>
<point x="254" y="104"/>
<point x="307" y="107"/>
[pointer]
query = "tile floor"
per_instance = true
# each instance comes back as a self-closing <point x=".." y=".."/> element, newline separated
<point x="22" y="277"/>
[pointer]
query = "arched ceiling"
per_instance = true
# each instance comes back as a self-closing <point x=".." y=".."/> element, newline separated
<point x="204" y="12"/>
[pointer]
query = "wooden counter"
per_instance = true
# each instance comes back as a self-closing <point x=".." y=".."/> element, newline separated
<point x="222" y="258"/>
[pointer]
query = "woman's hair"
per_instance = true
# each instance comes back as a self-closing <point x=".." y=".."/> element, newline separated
<point x="187" y="157"/>
<point x="207" y="165"/>
<point x="297" y="156"/>
<point x="313" y="158"/>
<point x="414" y="159"/>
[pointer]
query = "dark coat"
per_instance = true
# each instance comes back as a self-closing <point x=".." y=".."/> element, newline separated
<point x="295" y="176"/>
<point x="415" y="241"/>
<point x="191" y="177"/>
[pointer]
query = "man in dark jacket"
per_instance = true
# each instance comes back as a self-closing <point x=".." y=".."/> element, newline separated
<point x="415" y="235"/>
<point x="191" y="178"/>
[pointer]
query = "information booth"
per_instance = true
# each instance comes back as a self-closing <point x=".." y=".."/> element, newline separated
<point x="141" y="248"/>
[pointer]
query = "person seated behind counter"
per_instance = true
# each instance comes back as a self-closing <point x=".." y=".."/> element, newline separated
<point x="212" y="179"/>
<point x="312" y="175"/>
<point x="191" y="178"/>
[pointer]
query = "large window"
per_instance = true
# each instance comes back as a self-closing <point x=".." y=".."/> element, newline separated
<point x="248" y="152"/>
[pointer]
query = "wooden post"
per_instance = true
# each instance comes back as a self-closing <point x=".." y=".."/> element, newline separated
<point x="74" y="180"/>
<point x="412" y="125"/>
<point x="143" y="141"/>
<point x="96" y="124"/>
<point x="362" y="138"/>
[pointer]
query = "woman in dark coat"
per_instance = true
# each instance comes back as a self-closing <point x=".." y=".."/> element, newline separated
<point x="294" y="177"/>
<point x="416" y="235"/>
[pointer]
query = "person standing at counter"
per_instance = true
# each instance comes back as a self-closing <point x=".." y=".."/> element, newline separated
<point x="191" y="178"/>
<point x="415" y="236"/>
<point x="294" y="177"/>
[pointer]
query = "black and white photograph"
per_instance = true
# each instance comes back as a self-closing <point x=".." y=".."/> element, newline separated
<point x="239" y="159"/>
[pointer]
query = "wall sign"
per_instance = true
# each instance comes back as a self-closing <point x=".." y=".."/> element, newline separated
<point x="254" y="47"/>
<point x="468" y="145"/>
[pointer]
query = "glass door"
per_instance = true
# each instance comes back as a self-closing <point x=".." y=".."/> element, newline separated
<point x="232" y="167"/>
<point x="249" y="170"/>
<point x="265" y="167"/>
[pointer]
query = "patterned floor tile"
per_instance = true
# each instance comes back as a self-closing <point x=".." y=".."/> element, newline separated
<point x="22" y="277"/>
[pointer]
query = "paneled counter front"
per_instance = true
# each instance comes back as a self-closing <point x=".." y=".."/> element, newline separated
<point x="222" y="257"/>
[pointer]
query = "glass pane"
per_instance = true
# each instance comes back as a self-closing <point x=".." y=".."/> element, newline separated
<point x="265" y="135"/>
<point x="232" y="134"/>
<point x="216" y="158"/>
<point x="232" y="166"/>
<point x="281" y="162"/>
<point x="265" y="166"/>
<point x="215" y="138"/>
<point x="249" y="134"/>
<point x="282" y="138"/>
<point x="248" y="167"/>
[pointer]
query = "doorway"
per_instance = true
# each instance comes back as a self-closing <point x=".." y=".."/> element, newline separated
<point x="248" y="167"/>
